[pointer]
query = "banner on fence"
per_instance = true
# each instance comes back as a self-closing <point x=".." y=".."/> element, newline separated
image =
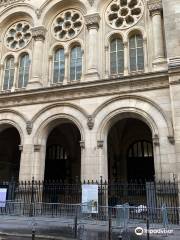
<point x="90" y="198"/>
<point x="3" y="193"/>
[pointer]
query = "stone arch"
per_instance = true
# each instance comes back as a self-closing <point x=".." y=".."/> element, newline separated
<point x="131" y="106"/>
<point x="22" y="9"/>
<point x="49" y="9"/>
<point x="143" y="107"/>
<point x="15" y="119"/>
<point x="55" y="113"/>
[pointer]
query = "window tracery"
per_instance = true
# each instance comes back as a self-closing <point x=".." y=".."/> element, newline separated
<point x="18" y="36"/>
<point x="122" y="14"/>
<point x="67" y="25"/>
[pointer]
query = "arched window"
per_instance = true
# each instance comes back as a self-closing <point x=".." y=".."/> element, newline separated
<point x="24" y="64"/>
<point x="136" y="53"/>
<point x="141" y="149"/>
<point x="76" y="63"/>
<point x="59" y="66"/>
<point x="8" y="73"/>
<point x="116" y="56"/>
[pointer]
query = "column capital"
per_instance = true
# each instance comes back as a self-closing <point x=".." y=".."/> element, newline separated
<point x="155" y="7"/>
<point x="92" y="21"/>
<point x="39" y="33"/>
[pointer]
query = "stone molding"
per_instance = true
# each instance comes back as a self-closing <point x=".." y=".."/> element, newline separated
<point x="90" y="122"/>
<point x="156" y="140"/>
<point x="91" y="2"/>
<point x="29" y="127"/>
<point x="37" y="148"/>
<point x="82" y="144"/>
<point x="39" y="33"/>
<point x="171" y="139"/>
<point x="92" y="20"/>
<point x="8" y="2"/>
<point x="100" y="144"/>
<point x="21" y="148"/>
<point x="155" y="7"/>
<point x="174" y="63"/>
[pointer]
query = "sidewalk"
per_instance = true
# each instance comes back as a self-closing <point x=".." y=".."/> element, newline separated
<point x="20" y="228"/>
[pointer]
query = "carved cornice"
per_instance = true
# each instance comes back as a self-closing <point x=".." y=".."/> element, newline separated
<point x="122" y="85"/>
<point x="155" y="7"/>
<point x="92" y="20"/>
<point x="39" y="33"/>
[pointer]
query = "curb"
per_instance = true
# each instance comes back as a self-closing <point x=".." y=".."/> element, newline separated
<point x="4" y="234"/>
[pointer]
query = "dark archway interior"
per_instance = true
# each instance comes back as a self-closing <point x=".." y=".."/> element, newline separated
<point x="9" y="153"/>
<point x="130" y="151"/>
<point x="63" y="153"/>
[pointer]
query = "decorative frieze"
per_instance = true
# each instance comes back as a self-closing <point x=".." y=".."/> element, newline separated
<point x="92" y="20"/>
<point x="39" y="33"/>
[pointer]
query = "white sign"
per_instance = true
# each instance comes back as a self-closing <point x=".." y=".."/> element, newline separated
<point x="3" y="193"/>
<point x="90" y="198"/>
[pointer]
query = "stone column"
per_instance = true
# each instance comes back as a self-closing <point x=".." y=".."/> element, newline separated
<point x="66" y="70"/>
<point x="50" y="80"/>
<point x="92" y="23"/>
<point x="1" y="76"/>
<point x="107" y="70"/>
<point x="155" y="9"/>
<point x="15" y="83"/>
<point x="38" y="34"/>
<point x="126" y="58"/>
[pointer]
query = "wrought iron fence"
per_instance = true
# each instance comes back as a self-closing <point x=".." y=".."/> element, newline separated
<point x="149" y="194"/>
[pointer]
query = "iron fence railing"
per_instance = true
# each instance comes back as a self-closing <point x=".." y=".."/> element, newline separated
<point x="149" y="194"/>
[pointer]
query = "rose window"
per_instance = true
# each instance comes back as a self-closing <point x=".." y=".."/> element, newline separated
<point x="18" y="36"/>
<point x="67" y="25"/>
<point x="122" y="14"/>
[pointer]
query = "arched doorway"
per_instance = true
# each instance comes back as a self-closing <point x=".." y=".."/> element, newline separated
<point x="130" y="151"/>
<point x="63" y="153"/>
<point x="9" y="152"/>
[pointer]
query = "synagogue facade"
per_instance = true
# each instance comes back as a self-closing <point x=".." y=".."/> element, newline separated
<point x="90" y="88"/>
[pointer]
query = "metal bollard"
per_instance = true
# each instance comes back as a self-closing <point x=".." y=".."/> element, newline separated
<point x="75" y="227"/>
<point x="148" y="237"/>
<point x="33" y="234"/>
<point x="110" y="227"/>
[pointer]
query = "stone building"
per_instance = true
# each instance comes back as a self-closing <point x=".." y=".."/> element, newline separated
<point x="89" y="88"/>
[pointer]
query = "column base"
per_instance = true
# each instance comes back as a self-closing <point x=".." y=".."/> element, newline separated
<point x="160" y="64"/>
<point x="92" y="76"/>
<point x="34" y="84"/>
